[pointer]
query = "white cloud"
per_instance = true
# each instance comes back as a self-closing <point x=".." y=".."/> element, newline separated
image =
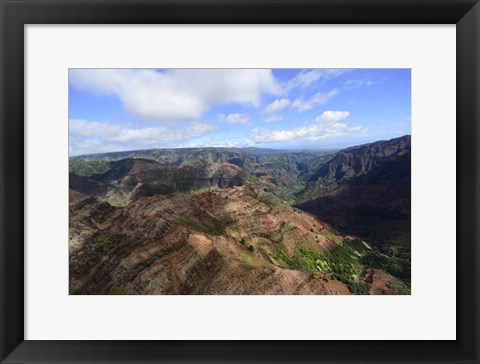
<point x="354" y="83"/>
<point x="88" y="137"/>
<point x="242" y="119"/>
<point x="218" y="143"/>
<point x="326" y="126"/>
<point x="176" y="95"/>
<point x="273" y="118"/>
<point x="79" y="128"/>
<point x="332" y="116"/>
<point x="308" y="133"/>
<point x="277" y="105"/>
<point x="306" y="78"/>
<point x="318" y="99"/>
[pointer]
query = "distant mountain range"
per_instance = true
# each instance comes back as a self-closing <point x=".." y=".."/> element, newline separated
<point x="193" y="153"/>
<point x="242" y="221"/>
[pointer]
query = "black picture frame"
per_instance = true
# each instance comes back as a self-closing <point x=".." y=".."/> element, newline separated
<point x="17" y="13"/>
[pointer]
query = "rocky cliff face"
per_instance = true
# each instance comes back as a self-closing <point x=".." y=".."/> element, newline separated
<point x="129" y="179"/>
<point x="365" y="164"/>
<point x="366" y="191"/>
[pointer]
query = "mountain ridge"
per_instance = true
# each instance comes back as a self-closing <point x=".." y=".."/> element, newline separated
<point x="216" y="222"/>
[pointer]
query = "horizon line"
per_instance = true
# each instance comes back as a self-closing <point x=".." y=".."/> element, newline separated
<point x="221" y="147"/>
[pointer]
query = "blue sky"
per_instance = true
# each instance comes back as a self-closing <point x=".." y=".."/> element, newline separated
<point x="129" y="109"/>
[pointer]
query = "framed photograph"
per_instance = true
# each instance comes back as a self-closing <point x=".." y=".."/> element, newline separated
<point x="239" y="181"/>
<point x="253" y="192"/>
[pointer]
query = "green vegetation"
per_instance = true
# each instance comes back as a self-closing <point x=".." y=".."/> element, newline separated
<point x="103" y="242"/>
<point x="269" y="200"/>
<point x="391" y="233"/>
<point x="345" y="263"/>
<point x="343" y="260"/>
<point x="113" y="289"/>
<point x="214" y="225"/>
<point x="308" y="193"/>
<point x="400" y="288"/>
<point x="355" y="287"/>
<point x="395" y="266"/>
<point x="87" y="168"/>
<point x="116" y="197"/>
<point x="250" y="261"/>
<point x="280" y="257"/>
<point x="398" y="249"/>
<point x="198" y="191"/>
